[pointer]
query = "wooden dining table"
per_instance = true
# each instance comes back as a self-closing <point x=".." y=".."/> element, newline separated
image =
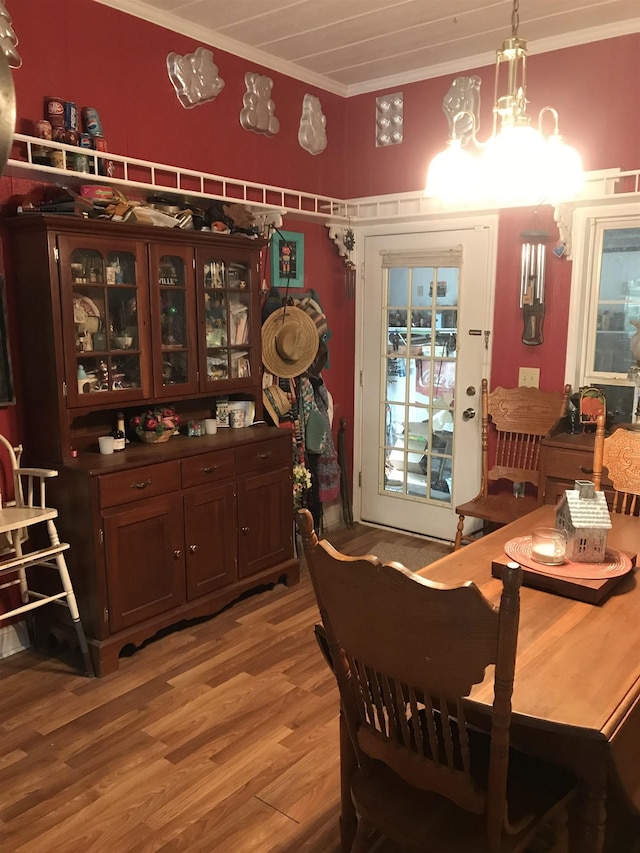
<point x="576" y="698"/>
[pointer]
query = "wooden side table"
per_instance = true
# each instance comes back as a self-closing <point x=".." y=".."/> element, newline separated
<point x="565" y="458"/>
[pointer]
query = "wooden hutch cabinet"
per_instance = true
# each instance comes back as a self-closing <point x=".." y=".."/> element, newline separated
<point x="114" y="318"/>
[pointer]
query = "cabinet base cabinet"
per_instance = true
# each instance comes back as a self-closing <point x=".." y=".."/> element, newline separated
<point x="145" y="564"/>
<point x="163" y="534"/>
<point x="211" y="536"/>
<point x="264" y="513"/>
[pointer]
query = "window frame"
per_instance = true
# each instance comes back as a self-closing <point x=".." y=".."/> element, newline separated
<point x="588" y="226"/>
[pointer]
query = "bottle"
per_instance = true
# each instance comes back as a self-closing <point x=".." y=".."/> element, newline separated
<point x="119" y="438"/>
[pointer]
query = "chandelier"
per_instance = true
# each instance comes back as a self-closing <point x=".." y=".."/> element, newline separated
<point x="518" y="164"/>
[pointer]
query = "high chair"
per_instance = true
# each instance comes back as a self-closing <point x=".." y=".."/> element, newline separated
<point x="27" y="509"/>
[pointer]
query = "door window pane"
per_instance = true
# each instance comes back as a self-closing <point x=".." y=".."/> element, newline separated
<point x="420" y="355"/>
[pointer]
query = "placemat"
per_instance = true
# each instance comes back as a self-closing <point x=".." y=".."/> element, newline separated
<point x="617" y="562"/>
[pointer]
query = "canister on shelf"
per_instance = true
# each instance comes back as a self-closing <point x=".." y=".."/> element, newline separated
<point x="71" y="116"/>
<point x="80" y="163"/>
<point x="91" y="121"/>
<point x="54" y="111"/>
<point x="43" y="130"/>
<point x="105" y="167"/>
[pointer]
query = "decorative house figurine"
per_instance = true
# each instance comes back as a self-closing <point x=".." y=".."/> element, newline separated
<point x="584" y="515"/>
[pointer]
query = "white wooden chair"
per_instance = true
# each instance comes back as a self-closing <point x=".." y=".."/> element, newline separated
<point x="24" y="511"/>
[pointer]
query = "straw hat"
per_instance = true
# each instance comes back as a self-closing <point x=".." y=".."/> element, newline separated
<point x="289" y="342"/>
<point x="276" y="402"/>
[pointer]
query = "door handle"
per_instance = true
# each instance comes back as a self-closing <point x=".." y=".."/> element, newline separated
<point x="468" y="414"/>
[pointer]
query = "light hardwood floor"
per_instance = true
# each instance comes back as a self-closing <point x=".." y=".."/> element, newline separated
<point x="221" y="736"/>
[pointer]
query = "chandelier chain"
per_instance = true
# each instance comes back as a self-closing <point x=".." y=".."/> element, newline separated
<point x="515" y="18"/>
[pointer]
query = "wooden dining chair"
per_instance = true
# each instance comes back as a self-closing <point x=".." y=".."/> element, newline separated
<point x="619" y="453"/>
<point x="519" y="419"/>
<point x="405" y="653"/>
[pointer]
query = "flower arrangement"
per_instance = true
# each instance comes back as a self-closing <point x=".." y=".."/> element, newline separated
<point x="301" y="483"/>
<point x="156" y="424"/>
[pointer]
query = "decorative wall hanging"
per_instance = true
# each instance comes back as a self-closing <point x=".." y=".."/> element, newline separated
<point x="461" y="105"/>
<point x="312" y="134"/>
<point x="258" y="114"/>
<point x="8" y="39"/>
<point x="194" y="77"/>
<point x="7" y="110"/>
<point x="345" y="240"/>
<point x="389" y="119"/>
<point x="532" y="285"/>
<point x="287" y="259"/>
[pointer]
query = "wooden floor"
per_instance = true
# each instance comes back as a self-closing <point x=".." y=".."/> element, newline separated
<point x="221" y="736"/>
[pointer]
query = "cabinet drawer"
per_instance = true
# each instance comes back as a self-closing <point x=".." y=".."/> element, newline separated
<point x="568" y="464"/>
<point x="263" y="455"/>
<point x="208" y="468"/>
<point x="139" y="484"/>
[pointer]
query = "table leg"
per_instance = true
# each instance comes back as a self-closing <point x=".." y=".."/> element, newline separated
<point x="592" y="814"/>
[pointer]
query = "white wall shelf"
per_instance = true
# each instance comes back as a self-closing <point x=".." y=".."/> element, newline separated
<point x="609" y="186"/>
<point x="131" y="174"/>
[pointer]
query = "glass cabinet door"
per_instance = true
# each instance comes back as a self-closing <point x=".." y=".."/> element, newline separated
<point x="226" y="307"/>
<point x="102" y="299"/>
<point x="173" y="320"/>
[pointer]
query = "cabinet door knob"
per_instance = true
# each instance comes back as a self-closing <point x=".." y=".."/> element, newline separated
<point x="193" y="548"/>
<point x="177" y="554"/>
<point x="244" y="530"/>
<point x="141" y="485"/>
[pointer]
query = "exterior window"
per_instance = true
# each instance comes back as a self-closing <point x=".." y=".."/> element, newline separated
<point x="611" y="308"/>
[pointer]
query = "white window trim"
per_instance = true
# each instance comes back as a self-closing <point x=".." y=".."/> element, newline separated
<point x="584" y="290"/>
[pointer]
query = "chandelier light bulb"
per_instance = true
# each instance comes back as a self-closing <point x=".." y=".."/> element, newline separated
<point x="513" y="166"/>
<point x="452" y="174"/>
<point x="564" y="173"/>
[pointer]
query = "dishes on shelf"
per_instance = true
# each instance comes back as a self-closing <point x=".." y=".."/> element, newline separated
<point x="86" y="314"/>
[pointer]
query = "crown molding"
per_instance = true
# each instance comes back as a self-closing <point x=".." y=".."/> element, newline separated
<point x="480" y="60"/>
<point x="320" y="81"/>
<point x="216" y="40"/>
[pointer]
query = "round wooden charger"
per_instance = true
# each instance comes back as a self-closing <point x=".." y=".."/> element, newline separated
<point x="617" y="563"/>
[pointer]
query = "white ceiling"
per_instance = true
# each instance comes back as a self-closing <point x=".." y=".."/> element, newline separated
<point x="354" y="46"/>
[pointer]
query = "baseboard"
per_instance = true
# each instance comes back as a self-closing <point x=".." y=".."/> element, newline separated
<point x="13" y="638"/>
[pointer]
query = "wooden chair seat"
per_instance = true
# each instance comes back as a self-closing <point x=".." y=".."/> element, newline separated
<point x="415" y="766"/>
<point x="519" y="418"/>
<point x="427" y="823"/>
<point x="498" y="510"/>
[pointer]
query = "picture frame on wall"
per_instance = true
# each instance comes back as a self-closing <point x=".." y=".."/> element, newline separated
<point x="287" y="259"/>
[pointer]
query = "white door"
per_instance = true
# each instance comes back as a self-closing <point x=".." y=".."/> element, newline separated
<point x="425" y="349"/>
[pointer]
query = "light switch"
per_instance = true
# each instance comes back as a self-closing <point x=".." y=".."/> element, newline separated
<point x="529" y="377"/>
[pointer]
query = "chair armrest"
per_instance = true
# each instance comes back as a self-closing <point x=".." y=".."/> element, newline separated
<point x="43" y="473"/>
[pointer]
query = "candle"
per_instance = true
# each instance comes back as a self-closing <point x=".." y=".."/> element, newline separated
<point x="548" y="545"/>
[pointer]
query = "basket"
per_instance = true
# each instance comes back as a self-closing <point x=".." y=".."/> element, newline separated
<point x="154" y="437"/>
